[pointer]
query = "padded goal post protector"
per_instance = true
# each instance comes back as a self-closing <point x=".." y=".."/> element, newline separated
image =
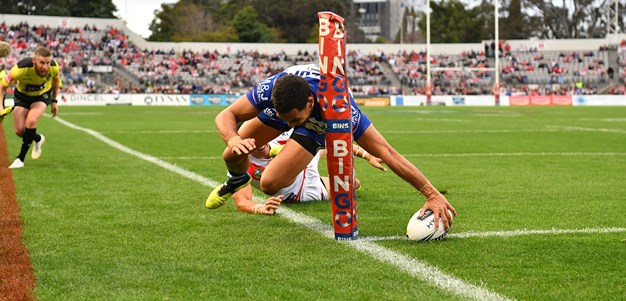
<point x="334" y="99"/>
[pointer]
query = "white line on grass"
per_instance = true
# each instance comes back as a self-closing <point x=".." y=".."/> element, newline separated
<point x="578" y="128"/>
<point x="414" y="267"/>
<point x="509" y="233"/>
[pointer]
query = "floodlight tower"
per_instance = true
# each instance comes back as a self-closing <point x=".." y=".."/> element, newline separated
<point x="496" y="85"/>
<point x="425" y="7"/>
<point x="612" y="24"/>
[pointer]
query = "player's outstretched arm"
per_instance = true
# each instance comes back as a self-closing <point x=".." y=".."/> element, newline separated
<point x="245" y="203"/>
<point x="373" y="160"/>
<point x="376" y="144"/>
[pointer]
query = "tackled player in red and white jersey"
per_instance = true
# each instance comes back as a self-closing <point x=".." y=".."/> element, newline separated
<point x="308" y="185"/>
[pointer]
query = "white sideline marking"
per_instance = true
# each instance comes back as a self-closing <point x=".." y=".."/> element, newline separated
<point x="509" y="233"/>
<point x="429" y="274"/>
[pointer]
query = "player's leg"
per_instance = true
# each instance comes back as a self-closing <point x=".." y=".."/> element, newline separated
<point x="36" y="111"/>
<point x="19" y="120"/>
<point x="284" y="168"/>
<point x="25" y="124"/>
<point x="237" y="165"/>
<point x="25" y="117"/>
<point x="315" y="187"/>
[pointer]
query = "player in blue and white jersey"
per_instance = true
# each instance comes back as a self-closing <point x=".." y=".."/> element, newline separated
<point x="289" y="100"/>
<point x="308" y="185"/>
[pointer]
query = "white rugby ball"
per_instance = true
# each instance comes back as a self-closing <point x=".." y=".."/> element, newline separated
<point x="423" y="229"/>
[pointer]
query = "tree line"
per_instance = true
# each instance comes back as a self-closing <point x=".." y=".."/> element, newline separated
<point x="295" y="21"/>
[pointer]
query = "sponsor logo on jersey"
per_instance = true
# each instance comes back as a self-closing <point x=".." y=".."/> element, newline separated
<point x="318" y="126"/>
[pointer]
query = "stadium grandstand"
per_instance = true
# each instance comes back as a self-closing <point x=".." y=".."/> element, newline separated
<point x="104" y="56"/>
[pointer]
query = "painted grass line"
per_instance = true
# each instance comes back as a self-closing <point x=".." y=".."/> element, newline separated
<point x="430" y="275"/>
<point x="532" y="232"/>
<point x="583" y="129"/>
<point x="511" y="233"/>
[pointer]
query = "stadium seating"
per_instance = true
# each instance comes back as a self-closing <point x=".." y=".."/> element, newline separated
<point x="104" y="60"/>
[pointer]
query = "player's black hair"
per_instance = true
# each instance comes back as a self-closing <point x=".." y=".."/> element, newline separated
<point x="290" y="92"/>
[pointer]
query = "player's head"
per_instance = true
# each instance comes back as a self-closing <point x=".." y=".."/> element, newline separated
<point x="293" y="99"/>
<point x="42" y="57"/>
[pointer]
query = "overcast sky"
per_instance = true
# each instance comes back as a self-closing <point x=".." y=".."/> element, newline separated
<point x="139" y="13"/>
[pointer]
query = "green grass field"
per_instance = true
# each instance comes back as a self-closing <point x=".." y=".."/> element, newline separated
<point x="102" y="221"/>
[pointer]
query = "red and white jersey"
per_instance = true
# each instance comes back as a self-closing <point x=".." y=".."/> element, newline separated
<point x="308" y="185"/>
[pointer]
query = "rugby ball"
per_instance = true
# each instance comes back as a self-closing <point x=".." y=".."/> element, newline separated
<point x="423" y="229"/>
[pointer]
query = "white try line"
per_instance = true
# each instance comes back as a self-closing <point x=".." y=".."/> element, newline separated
<point x="510" y="233"/>
<point x="414" y="267"/>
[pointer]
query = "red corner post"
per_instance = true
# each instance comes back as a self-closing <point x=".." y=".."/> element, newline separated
<point x="335" y="102"/>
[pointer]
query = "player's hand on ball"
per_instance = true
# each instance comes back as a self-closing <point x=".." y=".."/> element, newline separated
<point x="439" y="205"/>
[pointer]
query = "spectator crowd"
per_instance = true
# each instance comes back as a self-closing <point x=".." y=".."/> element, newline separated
<point x="103" y="60"/>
